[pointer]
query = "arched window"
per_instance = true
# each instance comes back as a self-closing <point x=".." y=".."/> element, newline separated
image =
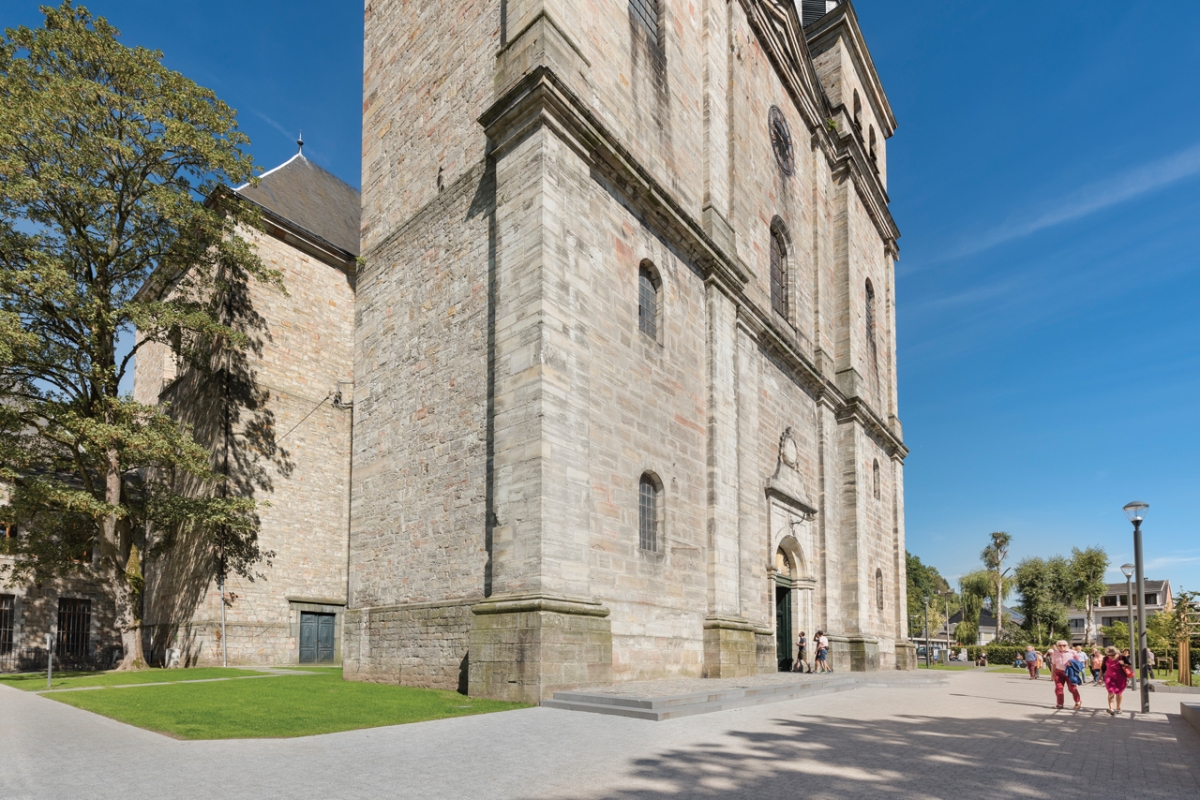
<point x="857" y="111"/>
<point x="879" y="589"/>
<point x="779" y="273"/>
<point x="649" y="512"/>
<point x="645" y="14"/>
<point x="872" y="350"/>
<point x="649" y="286"/>
<point x="876" y="472"/>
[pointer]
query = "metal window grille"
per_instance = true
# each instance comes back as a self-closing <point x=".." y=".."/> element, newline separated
<point x="871" y="347"/>
<point x="74" y="627"/>
<point x="647" y="303"/>
<point x="648" y="514"/>
<point x="779" y="297"/>
<point x="7" y="622"/>
<point x="645" y="13"/>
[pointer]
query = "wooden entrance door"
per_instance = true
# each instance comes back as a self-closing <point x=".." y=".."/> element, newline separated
<point x="316" y="637"/>
<point x="783" y="627"/>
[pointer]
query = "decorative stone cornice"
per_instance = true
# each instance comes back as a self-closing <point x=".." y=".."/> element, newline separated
<point x="857" y="410"/>
<point x="556" y="604"/>
<point x="540" y="99"/>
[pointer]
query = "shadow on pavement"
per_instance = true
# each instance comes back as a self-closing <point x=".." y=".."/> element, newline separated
<point x="1061" y="755"/>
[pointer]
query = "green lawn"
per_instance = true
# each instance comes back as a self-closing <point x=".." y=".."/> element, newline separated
<point x="36" y="681"/>
<point x="921" y="665"/>
<point x="301" y="705"/>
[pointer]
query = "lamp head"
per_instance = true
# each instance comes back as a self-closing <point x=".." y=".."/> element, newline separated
<point x="1136" y="511"/>
<point x="1127" y="570"/>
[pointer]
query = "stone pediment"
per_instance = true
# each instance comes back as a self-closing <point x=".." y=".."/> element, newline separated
<point x="787" y="484"/>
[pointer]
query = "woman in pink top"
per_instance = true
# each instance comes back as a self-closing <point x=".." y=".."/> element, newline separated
<point x="1059" y="657"/>
<point x="1115" y="678"/>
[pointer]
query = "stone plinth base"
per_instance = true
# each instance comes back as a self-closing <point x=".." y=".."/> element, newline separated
<point x="417" y="644"/>
<point x="906" y="655"/>
<point x="863" y="652"/>
<point x="524" y="648"/>
<point x="731" y="647"/>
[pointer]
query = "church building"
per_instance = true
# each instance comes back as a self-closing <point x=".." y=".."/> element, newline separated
<point x="624" y="353"/>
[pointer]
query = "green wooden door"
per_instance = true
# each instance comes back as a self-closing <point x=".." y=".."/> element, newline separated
<point x="783" y="627"/>
<point x="308" y="638"/>
<point x="325" y="638"/>
<point x="316" y="637"/>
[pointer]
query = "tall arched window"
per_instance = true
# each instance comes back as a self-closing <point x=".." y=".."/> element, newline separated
<point x="649" y="285"/>
<point x="645" y="14"/>
<point x="779" y="273"/>
<point x="649" y="512"/>
<point x="857" y="111"/>
<point x="879" y="589"/>
<point x="872" y="350"/>
<point x="875" y="470"/>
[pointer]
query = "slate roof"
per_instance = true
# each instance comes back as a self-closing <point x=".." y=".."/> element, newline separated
<point x="310" y="198"/>
<point x="1151" y="586"/>
<point x="987" y="619"/>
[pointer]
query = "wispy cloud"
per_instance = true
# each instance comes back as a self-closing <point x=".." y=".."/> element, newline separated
<point x="290" y="136"/>
<point x="1090" y="199"/>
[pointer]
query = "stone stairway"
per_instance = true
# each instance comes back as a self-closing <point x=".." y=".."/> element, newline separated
<point x="671" y="699"/>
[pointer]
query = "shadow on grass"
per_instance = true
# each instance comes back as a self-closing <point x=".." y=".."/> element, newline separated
<point x="1064" y="755"/>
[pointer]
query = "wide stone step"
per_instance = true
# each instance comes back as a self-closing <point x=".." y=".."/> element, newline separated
<point x="630" y="701"/>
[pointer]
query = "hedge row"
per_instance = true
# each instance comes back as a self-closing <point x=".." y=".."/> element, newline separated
<point x="1003" y="655"/>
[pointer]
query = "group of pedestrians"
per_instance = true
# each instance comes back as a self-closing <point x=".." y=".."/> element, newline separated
<point x="820" y="645"/>
<point x="1069" y="667"/>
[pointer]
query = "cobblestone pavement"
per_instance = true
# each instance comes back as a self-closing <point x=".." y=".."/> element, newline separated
<point x="981" y="736"/>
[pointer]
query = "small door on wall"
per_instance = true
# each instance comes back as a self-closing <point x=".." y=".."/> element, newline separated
<point x="783" y="627"/>
<point x="316" y="637"/>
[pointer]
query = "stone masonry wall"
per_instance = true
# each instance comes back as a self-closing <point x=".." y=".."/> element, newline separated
<point x="292" y="451"/>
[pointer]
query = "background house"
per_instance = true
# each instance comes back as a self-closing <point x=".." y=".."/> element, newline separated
<point x="1114" y="607"/>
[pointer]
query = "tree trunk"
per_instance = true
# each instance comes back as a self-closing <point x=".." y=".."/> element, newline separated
<point x="999" y="610"/>
<point x="1089" y="627"/>
<point x="115" y="542"/>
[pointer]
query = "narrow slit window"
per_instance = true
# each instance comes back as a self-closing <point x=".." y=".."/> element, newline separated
<point x="648" y="300"/>
<point x="7" y="623"/>
<point x="876" y="476"/>
<point x="779" y="283"/>
<point x="879" y="589"/>
<point x="872" y="349"/>
<point x="648" y="513"/>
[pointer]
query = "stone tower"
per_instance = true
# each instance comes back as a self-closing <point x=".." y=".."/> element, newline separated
<point x="625" y="378"/>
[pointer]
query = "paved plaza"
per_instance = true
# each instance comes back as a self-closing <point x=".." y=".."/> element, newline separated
<point x="981" y="735"/>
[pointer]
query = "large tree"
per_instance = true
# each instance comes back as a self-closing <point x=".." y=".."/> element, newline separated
<point x="993" y="557"/>
<point x="1088" y="585"/>
<point x="1046" y="586"/>
<point x="924" y="583"/>
<point x="973" y="588"/>
<point x="112" y="170"/>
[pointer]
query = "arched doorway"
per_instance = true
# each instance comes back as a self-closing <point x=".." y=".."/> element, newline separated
<point x="785" y="574"/>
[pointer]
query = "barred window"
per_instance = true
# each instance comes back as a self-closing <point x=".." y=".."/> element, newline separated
<point x="649" y="511"/>
<point x="879" y="589"/>
<point x="870" y="324"/>
<point x="645" y="14"/>
<point x="7" y="623"/>
<point x="779" y="283"/>
<point x="74" y="627"/>
<point x="648" y="288"/>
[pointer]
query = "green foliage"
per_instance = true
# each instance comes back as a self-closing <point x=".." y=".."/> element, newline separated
<point x="924" y="582"/>
<point x="1087" y="582"/>
<point x="1046" y="587"/>
<point x="999" y="655"/>
<point x="299" y="705"/>
<point x="973" y="588"/>
<point x="993" y="557"/>
<point x="113" y="217"/>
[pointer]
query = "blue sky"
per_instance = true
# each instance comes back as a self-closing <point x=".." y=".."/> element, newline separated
<point x="1046" y="179"/>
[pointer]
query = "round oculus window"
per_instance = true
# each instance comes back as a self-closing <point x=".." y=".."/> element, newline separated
<point x="781" y="140"/>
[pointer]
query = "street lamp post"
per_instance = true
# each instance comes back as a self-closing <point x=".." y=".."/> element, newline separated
<point x="927" y="645"/>
<point x="947" y="593"/>
<point x="1127" y="571"/>
<point x="1136" y="512"/>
